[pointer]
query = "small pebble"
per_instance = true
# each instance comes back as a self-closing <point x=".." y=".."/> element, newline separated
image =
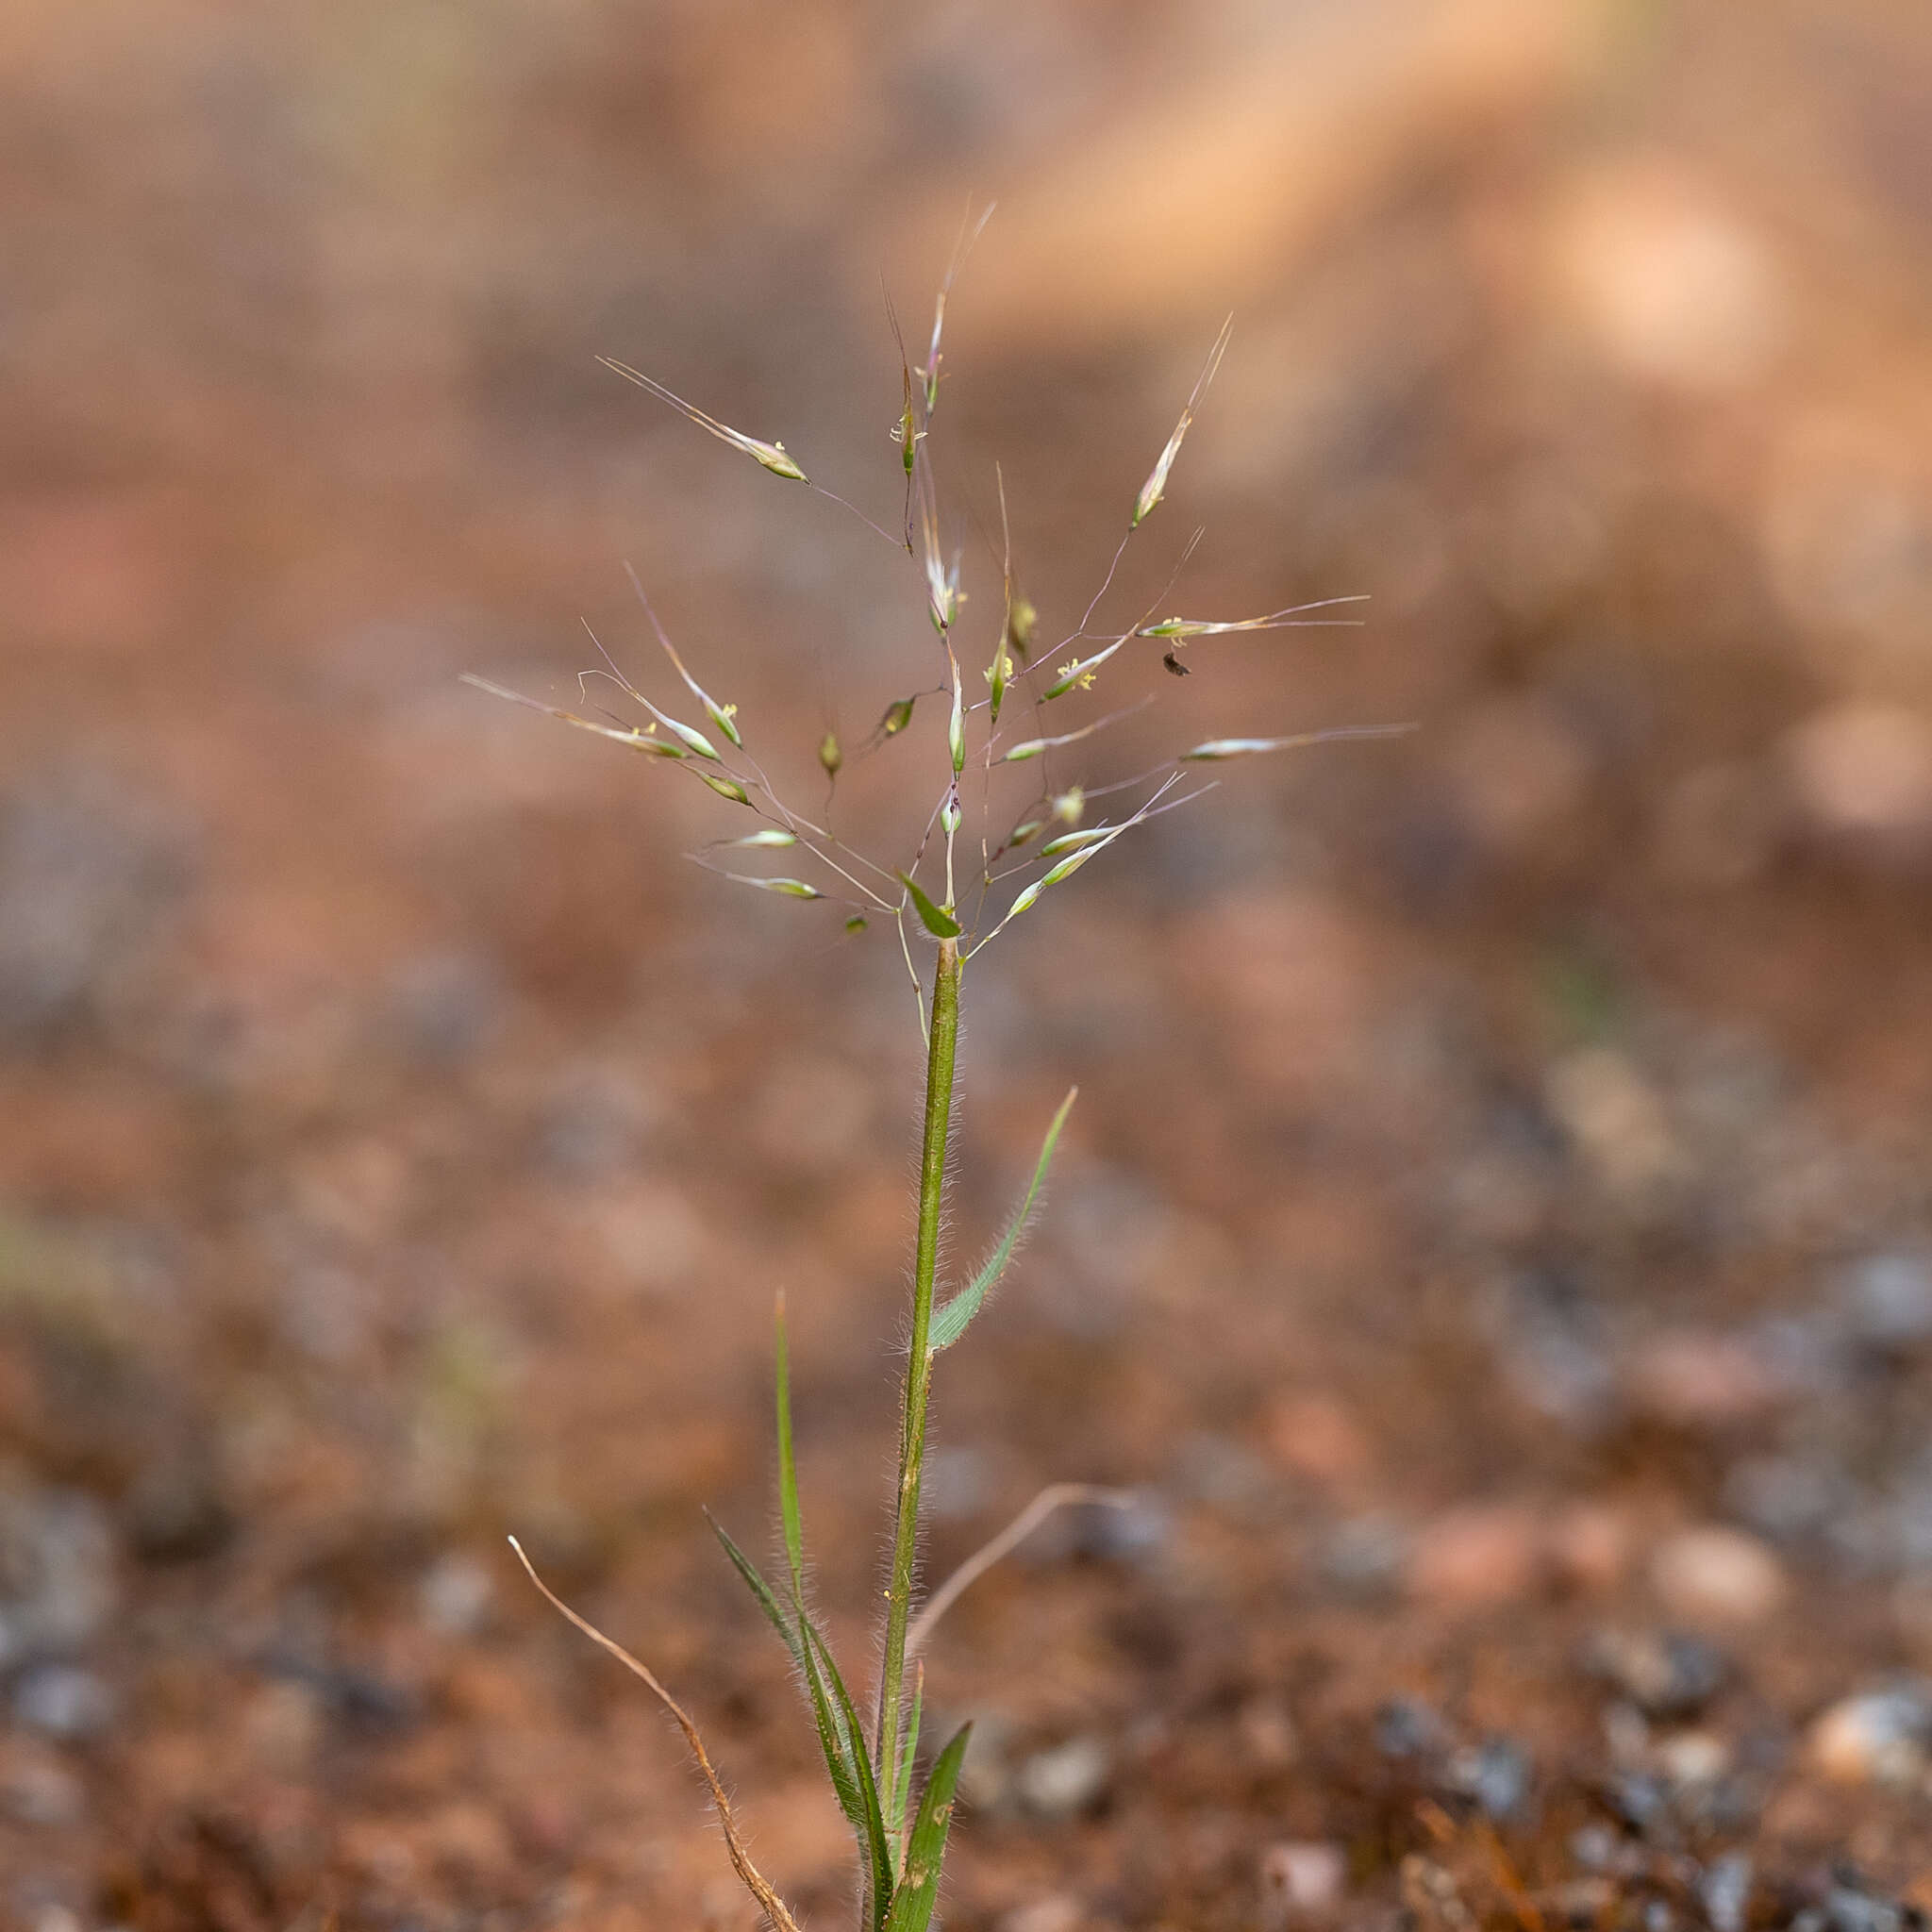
<point x="1877" y="1737"/>
<point x="454" y="1594"/>
<point x="1697" y="1379"/>
<point x="1066" y="1781"/>
<point x="1596" y="1847"/>
<point x="1590" y="1547"/>
<point x="1849" y="1909"/>
<point x="64" y="1701"/>
<point x="1057" y="1913"/>
<point x="1407" y="1729"/>
<point x="1302" y="1881"/>
<point x="1364" y="1558"/>
<point x="1582" y="1902"/>
<point x="1693" y="1758"/>
<point x="1666" y="1673"/>
<point x="1478" y="1556"/>
<point x="1889" y="1298"/>
<point x="1713" y="1574"/>
<point x="1497" y="1774"/>
<point x="39" y="1791"/>
<point x="1725" y="1891"/>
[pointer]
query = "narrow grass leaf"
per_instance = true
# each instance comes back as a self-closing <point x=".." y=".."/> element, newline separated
<point x="912" y="1904"/>
<point x="867" y="1818"/>
<point x="852" y="1783"/>
<point x="951" y="1321"/>
<point x="758" y="1588"/>
<point x="769" y="456"/>
<point x="936" y="920"/>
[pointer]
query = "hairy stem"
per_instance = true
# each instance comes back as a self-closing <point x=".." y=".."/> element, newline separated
<point x="932" y="1175"/>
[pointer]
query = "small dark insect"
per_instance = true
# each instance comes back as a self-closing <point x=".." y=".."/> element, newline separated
<point x="1174" y="664"/>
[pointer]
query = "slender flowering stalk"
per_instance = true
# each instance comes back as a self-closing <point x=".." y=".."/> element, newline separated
<point x="941" y="1048"/>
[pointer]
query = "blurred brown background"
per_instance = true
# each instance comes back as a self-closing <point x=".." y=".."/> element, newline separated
<point x="1494" y="1236"/>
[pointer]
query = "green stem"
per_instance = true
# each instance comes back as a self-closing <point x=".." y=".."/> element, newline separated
<point x="932" y="1175"/>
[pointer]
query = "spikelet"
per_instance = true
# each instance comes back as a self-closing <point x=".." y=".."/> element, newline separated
<point x="636" y="737"/>
<point x="789" y="889"/>
<point x="1181" y="628"/>
<point x="1155" y="486"/>
<point x="1079" y="675"/>
<point x="1219" y="748"/>
<point x="769" y="456"/>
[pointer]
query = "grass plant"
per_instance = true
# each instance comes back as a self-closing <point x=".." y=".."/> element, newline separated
<point x="952" y="896"/>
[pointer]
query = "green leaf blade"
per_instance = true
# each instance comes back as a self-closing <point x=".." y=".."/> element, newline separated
<point x="758" y="1588"/>
<point x="867" y="1819"/>
<point x="913" y="1902"/>
<point x="951" y="1320"/>
<point x="936" y="919"/>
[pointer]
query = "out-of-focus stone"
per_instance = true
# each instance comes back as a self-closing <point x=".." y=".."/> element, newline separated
<point x="37" y="1789"/>
<point x="1365" y="1556"/>
<point x="1689" y="1758"/>
<point x="1698" y="1380"/>
<point x="1864" y="768"/>
<point x="57" y="1583"/>
<point x="1060" y="1912"/>
<point x="1712" y="1574"/>
<point x="1720" y="824"/>
<point x="1514" y="767"/>
<point x="63" y="1700"/>
<point x="456" y="1594"/>
<point x="1477" y="1556"/>
<point x="1725" y="1891"/>
<point x="1066" y="1781"/>
<point x="1674" y="286"/>
<point x="1497" y="1774"/>
<point x="1664" y="1673"/>
<point x="1302" y="1880"/>
<point x="1589" y="1545"/>
<point x="1876" y="1737"/>
<point x="1887" y="1298"/>
<point x="1315" y="1434"/>
<point x="1266" y="1733"/>
<point x="1614" y="1116"/>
